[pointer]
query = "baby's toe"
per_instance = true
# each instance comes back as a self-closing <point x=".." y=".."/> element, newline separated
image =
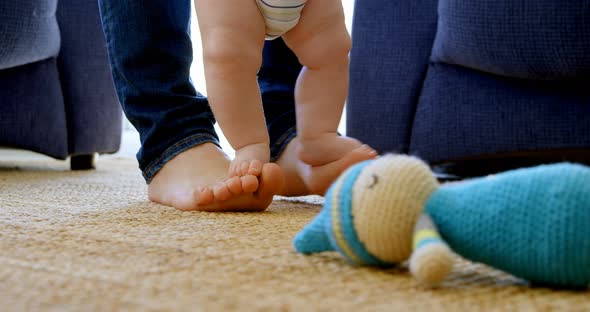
<point x="255" y="168"/>
<point x="244" y="166"/>
<point x="234" y="169"/>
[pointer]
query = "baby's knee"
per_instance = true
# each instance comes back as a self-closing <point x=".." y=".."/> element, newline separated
<point x="239" y="54"/>
<point x="330" y="49"/>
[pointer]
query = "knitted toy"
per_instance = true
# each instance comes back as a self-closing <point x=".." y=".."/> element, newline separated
<point x="533" y="223"/>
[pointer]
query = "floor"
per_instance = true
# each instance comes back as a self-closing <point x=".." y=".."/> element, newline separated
<point x="91" y="240"/>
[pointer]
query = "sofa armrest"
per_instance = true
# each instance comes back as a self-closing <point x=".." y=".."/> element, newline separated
<point x="391" y="46"/>
<point x="92" y="108"/>
<point x="28" y="32"/>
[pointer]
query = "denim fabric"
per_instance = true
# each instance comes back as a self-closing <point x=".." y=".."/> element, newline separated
<point x="276" y="78"/>
<point x="542" y="39"/>
<point x="151" y="52"/>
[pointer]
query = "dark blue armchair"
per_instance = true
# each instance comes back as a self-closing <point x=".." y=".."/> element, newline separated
<point x="56" y="91"/>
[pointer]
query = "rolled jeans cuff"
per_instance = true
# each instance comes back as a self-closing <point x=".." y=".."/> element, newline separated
<point x="197" y="139"/>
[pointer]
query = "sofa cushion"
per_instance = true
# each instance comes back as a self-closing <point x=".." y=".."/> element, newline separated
<point x="541" y="39"/>
<point x="463" y="113"/>
<point x="28" y="31"/>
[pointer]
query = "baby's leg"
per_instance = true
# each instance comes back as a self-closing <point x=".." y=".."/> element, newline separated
<point x="233" y="34"/>
<point x="322" y="43"/>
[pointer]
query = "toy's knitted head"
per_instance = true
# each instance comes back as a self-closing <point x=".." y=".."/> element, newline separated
<point x="371" y="211"/>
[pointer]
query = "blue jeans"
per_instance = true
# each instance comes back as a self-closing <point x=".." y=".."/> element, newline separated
<point x="151" y="53"/>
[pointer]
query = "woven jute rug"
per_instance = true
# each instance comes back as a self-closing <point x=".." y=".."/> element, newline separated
<point x="91" y="240"/>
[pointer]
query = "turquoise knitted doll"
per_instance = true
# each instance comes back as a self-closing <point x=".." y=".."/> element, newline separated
<point x="533" y="223"/>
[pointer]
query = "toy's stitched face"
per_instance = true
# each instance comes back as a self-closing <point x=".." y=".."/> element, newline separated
<point x="375" y="180"/>
<point x="388" y="197"/>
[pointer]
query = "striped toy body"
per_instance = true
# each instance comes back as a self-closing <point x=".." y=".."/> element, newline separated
<point x="280" y="16"/>
<point x="533" y="223"/>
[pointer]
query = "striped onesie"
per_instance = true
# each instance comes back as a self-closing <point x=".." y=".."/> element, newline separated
<point x="280" y="15"/>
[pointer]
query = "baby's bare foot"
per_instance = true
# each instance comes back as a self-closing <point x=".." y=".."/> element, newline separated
<point x="197" y="180"/>
<point x="304" y="179"/>
<point x="249" y="160"/>
<point x="325" y="148"/>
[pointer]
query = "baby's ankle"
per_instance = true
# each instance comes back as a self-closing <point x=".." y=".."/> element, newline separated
<point x="260" y="151"/>
<point x="317" y="138"/>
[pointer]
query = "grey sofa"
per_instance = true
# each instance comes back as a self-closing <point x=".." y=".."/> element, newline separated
<point x="56" y="92"/>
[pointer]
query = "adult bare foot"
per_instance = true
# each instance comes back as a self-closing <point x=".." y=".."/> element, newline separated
<point x="304" y="179"/>
<point x="196" y="180"/>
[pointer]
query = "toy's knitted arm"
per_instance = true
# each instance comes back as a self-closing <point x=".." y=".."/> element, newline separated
<point x="431" y="260"/>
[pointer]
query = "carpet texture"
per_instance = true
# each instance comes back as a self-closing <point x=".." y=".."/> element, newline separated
<point x="91" y="241"/>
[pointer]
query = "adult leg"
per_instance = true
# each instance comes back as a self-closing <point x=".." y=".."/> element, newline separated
<point x="150" y="52"/>
<point x="276" y="78"/>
